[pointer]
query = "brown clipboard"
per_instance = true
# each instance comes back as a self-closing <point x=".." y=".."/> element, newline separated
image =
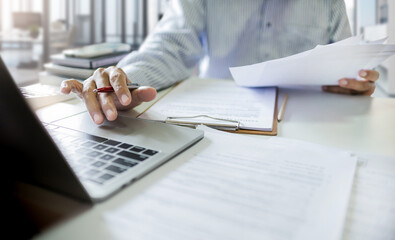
<point x="240" y="131"/>
<point x="269" y="133"/>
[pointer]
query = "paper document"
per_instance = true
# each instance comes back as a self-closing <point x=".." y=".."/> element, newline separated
<point x="236" y="187"/>
<point x="220" y="99"/>
<point x="371" y="208"/>
<point x="371" y="213"/>
<point x="323" y="65"/>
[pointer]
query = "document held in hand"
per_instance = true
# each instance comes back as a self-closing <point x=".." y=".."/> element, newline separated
<point x="323" y="65"/>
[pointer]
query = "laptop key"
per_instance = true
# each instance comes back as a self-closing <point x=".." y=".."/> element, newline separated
<point x="103" y="178"/>
<point x="82" y="150"/>
<point x="91" y="172"/>
<point x="137" y="149"/>
<point x="94" y="138"/>
<point x="107" y="157"/>
<point x="124" y="162"/>
<point x="111" y="142"/>
<point x="132" y="155"/>
<point x="112" y="150"/>
<point x="88" y="144"/>
<point x="94" y="154"/>
<point x="116" y="169"/>
<point x="100" y="147"/>
<point x="150" y="152"/>
<point x="79" y="141"/>
<point x="106" y="176"/>
<point x="85" y="160"/>
<point x="125" y="146"/>
<point x="99" y="164"/>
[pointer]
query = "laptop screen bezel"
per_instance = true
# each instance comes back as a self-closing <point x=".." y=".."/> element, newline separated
<point x="32" y="151"/>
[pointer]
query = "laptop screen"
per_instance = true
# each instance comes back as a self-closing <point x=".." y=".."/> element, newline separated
<point x="32" y="155"/>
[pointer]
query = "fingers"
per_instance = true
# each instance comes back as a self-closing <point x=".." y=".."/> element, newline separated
<point x="337" y="89"/>
<point x="370" y="75"/>
<point x="105" y="99"/>
<point x="357" y="85"/>
<point x="85" y="92"/>
<point x="71" y="85"/>
<point x="97" y="104"/>
<point x="341" y="90"/>
<point x="354" y="86"/>
<point x="91" y="102"/>
<point x="107" y="103"/>
<point x="370" y="91"/>
<point x="118" y="81"/>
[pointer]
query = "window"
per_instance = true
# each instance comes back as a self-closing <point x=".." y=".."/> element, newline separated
<point x="25" y="47"/>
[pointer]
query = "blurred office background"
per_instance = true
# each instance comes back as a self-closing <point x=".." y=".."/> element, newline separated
<point x="32" y="30"/>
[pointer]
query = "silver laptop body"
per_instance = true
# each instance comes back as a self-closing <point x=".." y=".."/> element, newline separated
<point x="77" y="158"/>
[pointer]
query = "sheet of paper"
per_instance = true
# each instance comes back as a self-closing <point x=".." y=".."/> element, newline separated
<point x="371" y="213"/>
<point x="232" y="188"/>
<point x="218" y="98"/>
<point x="323" y="65"/>
<point x="371" y="208"/>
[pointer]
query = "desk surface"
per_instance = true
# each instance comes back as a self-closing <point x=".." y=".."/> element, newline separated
<point x="354" y="123"/>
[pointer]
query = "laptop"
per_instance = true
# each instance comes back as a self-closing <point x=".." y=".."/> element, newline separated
<point x="77" y="158"/>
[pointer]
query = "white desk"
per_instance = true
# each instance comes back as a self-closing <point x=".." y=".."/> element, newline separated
<point x="349" y="122"/>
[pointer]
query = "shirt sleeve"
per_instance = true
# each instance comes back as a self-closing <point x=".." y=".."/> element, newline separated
<point x="172" y="52"/>
<point x="339" y="24"/>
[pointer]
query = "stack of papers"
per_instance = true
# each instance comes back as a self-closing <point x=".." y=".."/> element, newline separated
<point x="229" y="187"/>
<point x="239" y="187"/>
<point x="323" y="65"/>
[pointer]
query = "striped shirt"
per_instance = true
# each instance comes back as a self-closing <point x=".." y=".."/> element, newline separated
<point x="212" y="35"/>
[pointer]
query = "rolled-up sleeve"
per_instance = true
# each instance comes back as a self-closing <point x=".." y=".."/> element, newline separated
<point x="172" y="52"/>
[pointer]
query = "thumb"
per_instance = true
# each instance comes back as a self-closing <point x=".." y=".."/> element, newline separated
<point x="139" y="95"/>
<point x="143" y="94"/>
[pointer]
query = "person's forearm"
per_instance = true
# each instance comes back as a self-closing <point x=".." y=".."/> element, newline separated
<point x="172" y="52"/>
<point x="158" y="70"/>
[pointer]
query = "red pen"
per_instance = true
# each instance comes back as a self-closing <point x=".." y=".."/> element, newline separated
<point x="131" y="86"/>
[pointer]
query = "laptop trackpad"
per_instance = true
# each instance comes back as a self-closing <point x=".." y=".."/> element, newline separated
<point x="136" y="131"/>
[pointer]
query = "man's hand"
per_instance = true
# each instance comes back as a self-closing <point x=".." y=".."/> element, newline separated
<point x="108" y="103"/>
<point x="356" y="87"/>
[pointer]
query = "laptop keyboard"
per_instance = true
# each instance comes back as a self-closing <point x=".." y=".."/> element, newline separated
<point x="97" y="159"/>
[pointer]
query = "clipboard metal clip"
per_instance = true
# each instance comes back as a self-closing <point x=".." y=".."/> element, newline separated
<point x="218" y="123"/>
